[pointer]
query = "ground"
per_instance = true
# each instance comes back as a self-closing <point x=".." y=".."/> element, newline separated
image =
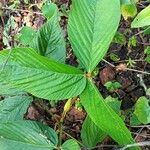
<point x="133" y="77"/>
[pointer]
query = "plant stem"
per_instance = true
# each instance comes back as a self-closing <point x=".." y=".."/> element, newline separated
<point x="62" y="120"/>
<point x="127" y="69"/>
<point x="74" y="139"/>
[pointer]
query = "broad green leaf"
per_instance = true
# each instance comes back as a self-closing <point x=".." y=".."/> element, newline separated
<point x="125" y="1"/>
<point x="91" y="134"/>
<point x="128" y="8"/>
<point x="70" y="145"/>
<point x="135" y="1"/>
<point x="40" y="76"/>
<point x="103" y="115"/>
<point x="92" y="26"/>
<point x="128" y="1"/>
<point x="8" y="90"/>
<point x="114" y="103"/>
<point x="48" y="9"/>
<point x="142" y="19"/>
<point x="142" y="110"/>
<point x="134" y="120"/>
<point x="147" y="30"/>
<point x="49" y="40"/>
<point x="14" y="108"/>
<point x="27" y="135"/>
<point x="27" y="35"/>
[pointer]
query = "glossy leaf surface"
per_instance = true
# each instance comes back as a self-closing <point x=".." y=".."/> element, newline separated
<point x="49" y="40"/>
<point x="44" y="78"/>
<point x="14" y="108"/>
<point x="92" y="26"/>
<point x="27" y="135"/>
<point x="103" y="115"/>
<point x="142" y="19"/>
<point x="70" y="144"/>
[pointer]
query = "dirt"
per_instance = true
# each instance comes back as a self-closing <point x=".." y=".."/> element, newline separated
<point x="130" y="91"/>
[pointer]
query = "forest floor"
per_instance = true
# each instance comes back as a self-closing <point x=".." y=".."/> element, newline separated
<point x="124" y="63"/>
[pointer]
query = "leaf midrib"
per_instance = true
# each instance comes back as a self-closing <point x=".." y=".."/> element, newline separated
<point x="48" y="71"/>
<point x="92" y="39"/>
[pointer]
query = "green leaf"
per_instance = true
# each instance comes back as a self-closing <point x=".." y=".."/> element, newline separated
<point x="14" y="108"/>
<point x="114" y="104"/>
<point x="147" y="50"/>
<point x="27" y="35"/>
<point x="40" y="76"/>
<point x="49" y="40"/>
<point x="8" y="90"/>
<point x="146" y="30"/>
<point x="132" y="42"/>
<point x="119" y="38"/>
<point x="70" y="144"/>
<point x="147" y="59"/>
<point x="27" y="135"/>
<point x="142" y="110"/>
<point x="112" y="85"/>
<point x="92" y="26"/>
<point x="134" y="120"/>
<point x="114" y="57"/>
<point x="91" y="134"/>
<point x="148" y="92"/>
<point x="103" y="115"/>
<point x="128" y="9"/>
<point x="142" y="19"/>
<point x="48" y="9"/>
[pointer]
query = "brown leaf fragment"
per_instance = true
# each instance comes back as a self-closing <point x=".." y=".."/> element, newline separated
<point x="107" y="74"/>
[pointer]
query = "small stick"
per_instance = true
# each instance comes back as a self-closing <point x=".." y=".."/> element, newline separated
<point x="127" y="69"/>
<point x="146" y="143"/>
<point x="21" y="10"/>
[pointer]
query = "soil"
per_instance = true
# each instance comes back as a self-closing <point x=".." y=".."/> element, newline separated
<point x="129" y="93"/>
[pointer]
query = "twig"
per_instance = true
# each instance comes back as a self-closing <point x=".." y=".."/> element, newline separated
<point x="140" y="32"/>
<point x="147" y="44"/>
<point x="141" y="135"/>
<point x="21" y="10"/>
<point x="146" y="143"/>
<point x="138" y="134"/>
<point x="138" y="71"/>
<point x="112" y="65"/>
<point x="3" y="23"/>
<point x="142" y="126"/>
<point x="142" y="82"/>
<point x="127" y="69"/>
<point x="135" y="60"/>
